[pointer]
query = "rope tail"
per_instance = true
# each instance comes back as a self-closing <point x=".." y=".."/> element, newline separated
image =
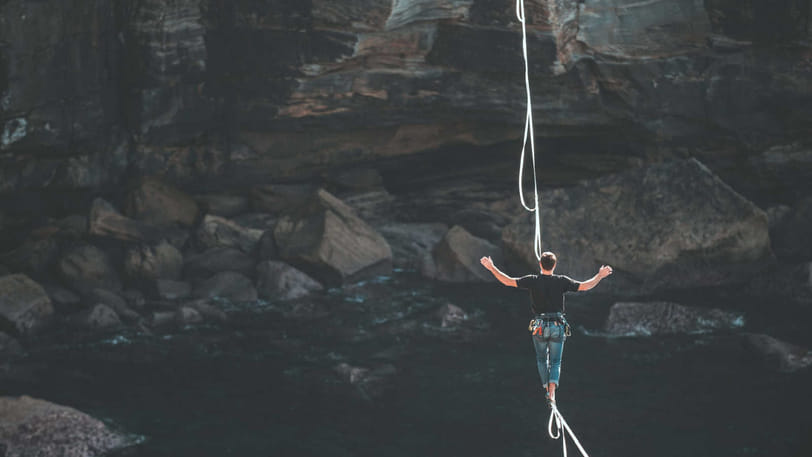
<point x="558" y="430"/>
<point x="529" y="133"/>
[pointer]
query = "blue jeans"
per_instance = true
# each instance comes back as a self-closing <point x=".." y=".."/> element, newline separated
<point x="549" y="344"/>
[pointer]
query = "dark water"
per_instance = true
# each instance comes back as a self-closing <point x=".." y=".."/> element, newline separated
<point x="264" y="386"/>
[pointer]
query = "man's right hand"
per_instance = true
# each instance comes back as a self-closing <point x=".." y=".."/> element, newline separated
<point x="605" y="271"/>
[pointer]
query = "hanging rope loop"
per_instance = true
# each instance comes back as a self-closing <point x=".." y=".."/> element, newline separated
<point x="556" y="427"/>
<point x="529" y="134"/>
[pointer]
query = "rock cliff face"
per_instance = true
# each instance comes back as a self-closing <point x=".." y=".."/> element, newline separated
<point x="91" y="92"/>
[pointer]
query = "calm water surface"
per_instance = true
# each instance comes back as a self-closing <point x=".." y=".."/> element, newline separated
<point x="262" y="386"/>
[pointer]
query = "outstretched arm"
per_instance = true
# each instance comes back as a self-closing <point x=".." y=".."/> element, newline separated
<point x="605" y="271"/>
<point x="503" y="278"/>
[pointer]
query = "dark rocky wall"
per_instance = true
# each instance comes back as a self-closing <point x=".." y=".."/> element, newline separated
<point x="232" y="92"/>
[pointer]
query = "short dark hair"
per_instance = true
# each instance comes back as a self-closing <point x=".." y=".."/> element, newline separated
<point x="547" y="261"/>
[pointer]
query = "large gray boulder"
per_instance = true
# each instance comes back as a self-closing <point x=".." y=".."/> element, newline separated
<point x="100" y="317"/>
<point x="659" y="318"/>
<point x="215" y="260"/>
<point x="325" y="239"/>
<point x="87" y="267"/>
<point x="149" y="262"/>
<point x="112" y="300"/>
<point x="216" y="231"/>
<point x="783" y="356"/>
<point x="105" y="221"/>
<point x="280" y="281"/>
<point x="672" y="225"/>
<point x="411" y="242"/>
<point x="24" y="304"/>
<point x="456" y="257"/>
<point x="30" y="427"/>
<point x="229" y="285"/>
<point x="159" y="203"/>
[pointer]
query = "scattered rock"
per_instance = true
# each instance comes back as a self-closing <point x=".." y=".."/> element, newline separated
<point x="658" y="318"/>
<point x="9" y="347"/>
<point x="277" y="198"/>
<point x="159" y="203"/>
<point x="223" y="205"/>
<point x="188" y="316"/>
<point x="24" y="305"/>
<point x="480" y="223"/>
<point x="88" y="267"/>
<point x="112" y="300"/>
<point x="229" y="285"/>
<point x="410" y="242"/>
<point x="207" y="310"/>
<point x="149" y="262"/>
<point x="106" y="221"/>
<point x="168" y="289"/>
<point x="280" y="281"/>
<point x="31" y="427"/>
<point x="668" y="225"/>
<point x="135" y="298"/>
<point x="163" y="318"/>
<point x="781" y="355"/>
<point x="451" y="315"/>
<point x="216" y="231"/>
<point x="259" y="221"/>
<point x="215" y="260"/>
<point x="456" y="257"/>
<point x="34" y="256"/>
<point x="61" y="298"/>
<point x="371" y="383"/>
<point x="326" y="240"/>
<point x="101" y="317"/>
<point x="790" y="237"/>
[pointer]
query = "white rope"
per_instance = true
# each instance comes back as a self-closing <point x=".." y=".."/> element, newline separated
<point x="528" y="132"/>
<point x="560" y="427"/>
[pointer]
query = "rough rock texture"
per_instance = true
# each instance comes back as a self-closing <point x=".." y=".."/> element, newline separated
<point x="187" y="315"/>
<point x="370" y="382"/>
<point x="106" y="221"/>
<point x="9" y="347"/>
<point x="411" y="242"/>
<point x="791" y="236"/>
<point x="326" y="239"/>
<point x="657" y="318"/>
<point x="456" y="257"/>
<point x="157" y="202"/>
<point x="24" y="305"/>
<point x="149" y="262"/>
<point x="30" y="427"/>
<point x="280" y="281"/>
<point x="113" y="301"/>
<point x="229" y="285"/>
<point x="672" y="225"/>
<point x="222" y="205"/>
<point x="216" y="231"/>
<point x="33" y="257"/>
<point x="451" y="315"/>
<point x="168" y="289"/>
<point x="100" y="317"/>
<point x="185" y="90"/>
<point x="779" y="354"/>
<point x="216" y="260"/>
<point x="87" y="267"/>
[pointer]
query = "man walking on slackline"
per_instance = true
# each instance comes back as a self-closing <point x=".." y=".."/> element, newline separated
<point x="549" y="326"/>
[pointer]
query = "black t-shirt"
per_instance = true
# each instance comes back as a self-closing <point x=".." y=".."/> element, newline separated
<point x="547" y="291"/>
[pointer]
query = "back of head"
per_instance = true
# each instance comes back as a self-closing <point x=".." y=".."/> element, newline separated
<point x="547" y="261"/>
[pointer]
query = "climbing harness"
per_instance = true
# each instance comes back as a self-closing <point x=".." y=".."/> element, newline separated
<point x="558" y="431"/>
<point x="536" y="326"/>
<point x="528" y="132"/>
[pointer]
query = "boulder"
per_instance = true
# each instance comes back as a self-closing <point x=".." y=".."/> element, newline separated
<point x="456" y="257"/>
<point x="410" y="242"/>
<point x="229" y="285"/>
<point x="146" y="262"/>
<point x="451" y="315"/>
<point x="658" y="318"/>
<point x="280" y="281"/>
<point x="222" y="205"/>
<point x="481" y="223"/>
<point x="163" y="318"/>
<point x="216" y="231"/>
<point x="135" y="298"/>
<point x="88" y="267"/>
<point x="783" y="356"/>
<point x="30" y="427"/>
<point x="9" y="347"/>
<point x="790" y="237"/>
<point x="105" y="221"/>
<point x="671" y="225"/>
<point x="61" y="298"/>
<point x="215" y="260"/>
<point x="34" y="256"/>
<point x="207" y="310"/>
<point x="277" y="198"/>
<point x="370" y="382"/>
<point x="24" y="305"/>
<point x="186" y="315"/>
<point x="267" y="246"/>
<point x="100" y="317"/>
<point x="159" y="203"/>
<point x="113" y="301"/>
<point x="328" y="241"/>
<point x="167" y="289"/>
